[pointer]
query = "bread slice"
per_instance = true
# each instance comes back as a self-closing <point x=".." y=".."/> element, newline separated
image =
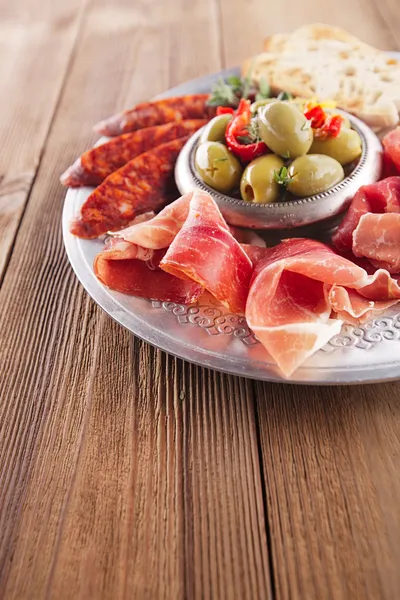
<point x="328" y="63"/>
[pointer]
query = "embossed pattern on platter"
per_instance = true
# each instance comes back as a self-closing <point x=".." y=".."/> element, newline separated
<point x="214" y="321"/>
<point x="210" y="318"/>
<point x="367" y="336"/>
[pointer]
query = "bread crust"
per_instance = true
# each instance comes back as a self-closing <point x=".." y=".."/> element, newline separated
<point x="327" y="62"/>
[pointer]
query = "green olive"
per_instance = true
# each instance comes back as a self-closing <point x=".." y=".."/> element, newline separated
<point x="345" y="148"/>
<point x="258" y="183"/>
<point x="313" y="174"/>
<point x="260" y="103"/>
<point x="218" y="167"/>
<point x="285" y="129"/>
<point x="214" y="131"/>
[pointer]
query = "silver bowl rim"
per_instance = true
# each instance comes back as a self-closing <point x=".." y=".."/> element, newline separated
<point x="356" y="124"/>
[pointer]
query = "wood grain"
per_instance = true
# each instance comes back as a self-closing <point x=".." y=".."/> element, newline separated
<point x="331" y="504"/>
<point x="245" y="25"/>
<point x="36" y="42"/>
<point x="125" y="473"/>
<point x="118" y="480"/>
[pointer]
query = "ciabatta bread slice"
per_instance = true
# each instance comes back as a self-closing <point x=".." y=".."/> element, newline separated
<point x="328" y="63"/>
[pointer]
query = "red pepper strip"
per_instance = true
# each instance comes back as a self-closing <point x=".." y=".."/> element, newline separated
<point x="238" y="127"/>
<point x="317" y="116"/>
<point x="331" y="127"/>
<point x="224" y="110"/>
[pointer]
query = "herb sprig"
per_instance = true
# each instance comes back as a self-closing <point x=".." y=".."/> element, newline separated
<point x="264" y="90"/>
<point x="282" y="176"/>
<point x="252" y="133"/>
<point x="228" y="92"/>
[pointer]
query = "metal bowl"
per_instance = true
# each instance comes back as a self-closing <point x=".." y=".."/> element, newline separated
<point x="293" y="213"/>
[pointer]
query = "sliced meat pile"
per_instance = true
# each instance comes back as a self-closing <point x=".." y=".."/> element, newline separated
<point x="296" y="289"/>
<point x="295" y="296"/>
<point x="188" y="246"/>
<point x="371" y="227"/>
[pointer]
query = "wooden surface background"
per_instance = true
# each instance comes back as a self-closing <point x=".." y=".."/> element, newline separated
<point x="125" y="473"/>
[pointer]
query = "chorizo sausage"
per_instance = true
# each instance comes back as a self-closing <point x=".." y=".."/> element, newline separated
<point x="158" y="112"/>
<point x="143" y="184"/>
<point x="99" y="162"/>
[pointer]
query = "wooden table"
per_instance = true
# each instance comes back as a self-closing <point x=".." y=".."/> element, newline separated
<point x="125" y="473"/>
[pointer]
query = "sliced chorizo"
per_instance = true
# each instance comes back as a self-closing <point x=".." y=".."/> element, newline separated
<point x="99" y="162"/>
<point x="145" y="183"/>
<point x="158" y="112"/>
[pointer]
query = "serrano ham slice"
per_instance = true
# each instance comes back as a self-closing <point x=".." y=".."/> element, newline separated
<point x="130" y="261"/>
<point x="377" y="198"/>
<point x="295" y="287"/>
<point x="123" y="268"/>
<point x="145" y="183"/>
<point x="205" y="251"/>
<point x="391" y="146"/>
<point x="146" y="242"/>
<point x="351" y="307"/>
<point x="371" y="227"/>
<point x="377" y="237"/>
<point x="159" y="231"/>
<point x="99" y="162"/>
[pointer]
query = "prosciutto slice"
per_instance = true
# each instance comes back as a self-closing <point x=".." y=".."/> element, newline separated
<point x="391" y="146"/>
<point x="377" y="198"/>
<point x="130" y="262"/>
<point x="371" y="228"/>
<point x="294" y="289"/>
<point x="377" y="237"/>
<point x="205" y="251"/>
<point x="159" y="231"/>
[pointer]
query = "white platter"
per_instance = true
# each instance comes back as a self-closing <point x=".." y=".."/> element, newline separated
<point x="207" y="335"/>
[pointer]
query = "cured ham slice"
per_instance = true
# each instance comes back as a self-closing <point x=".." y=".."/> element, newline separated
<point x="371" y="228"/>
<point x="377" y="237"/>
<point x="377" y="198"/>
<point x="391" y="146"/>
<point x="159" y="231"/>
<point x="351" y="307"/>
<point x="294" y="289"/>
<point x="130" y="262"/>
<point x="205" y="251"/>
<point x="119" y="271"/>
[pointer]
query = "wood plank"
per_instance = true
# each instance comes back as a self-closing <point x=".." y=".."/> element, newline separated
<point x="36" y="41"/>
<point x="333" y="502"/>
<point x="125" y="472"/>
<point x="245" y="25"/>
<point x="329" y="455"/>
